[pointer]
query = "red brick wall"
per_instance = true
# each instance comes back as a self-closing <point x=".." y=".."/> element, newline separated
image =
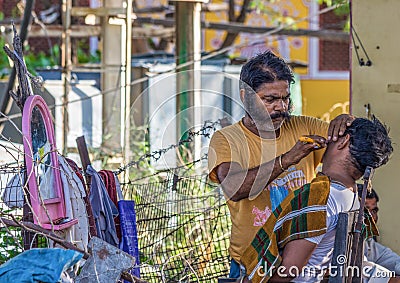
<point x="9" y="8"/>
<point x="333" y="55"/>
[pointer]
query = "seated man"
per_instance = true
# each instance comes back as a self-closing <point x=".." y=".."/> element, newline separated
<point x="374" y="251"/>
<point x="301" y="231"/>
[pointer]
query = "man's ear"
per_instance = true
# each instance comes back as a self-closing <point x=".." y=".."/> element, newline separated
<point x="242" y="94"/>
<point x="343" y="142"/>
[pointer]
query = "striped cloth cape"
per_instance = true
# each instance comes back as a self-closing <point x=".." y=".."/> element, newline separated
<point x="302" y="214"/>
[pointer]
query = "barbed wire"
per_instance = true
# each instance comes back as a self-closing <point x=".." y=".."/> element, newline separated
<point x="157" y="154"/>
<point x="186" y="166"/>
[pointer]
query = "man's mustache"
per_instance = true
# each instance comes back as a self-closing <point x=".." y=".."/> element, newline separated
<point x="279" y="115"/>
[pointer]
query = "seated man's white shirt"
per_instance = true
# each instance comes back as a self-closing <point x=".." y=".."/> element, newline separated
<point x="374" y="273"/>
<point x="340" y="199"/>
<point x="382" y="255"/>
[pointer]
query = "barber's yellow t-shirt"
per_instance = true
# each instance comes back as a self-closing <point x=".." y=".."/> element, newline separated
<point x="236" y="143"/>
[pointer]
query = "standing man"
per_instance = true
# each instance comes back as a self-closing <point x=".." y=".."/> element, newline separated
<point x="259" y="160"/>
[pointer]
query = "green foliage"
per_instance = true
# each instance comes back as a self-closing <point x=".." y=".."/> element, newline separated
<point x="41" y="59"/>
<point x="16" y="12"/>
<point x="86" y="57"/>
<point x="4" y="64"/>
<point x="32" y="61"/>
<point x="343" y="6"/>
<point x="343" y="9"/>
<point x="10" y="242"/>
<point x="83" y="57"/>
<point x="188" y="225"/>
<point x="140" y="146"/>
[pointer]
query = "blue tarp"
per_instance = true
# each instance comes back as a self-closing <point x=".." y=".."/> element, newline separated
<point x="38" y="265"/>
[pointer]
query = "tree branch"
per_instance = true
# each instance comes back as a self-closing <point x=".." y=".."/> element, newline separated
<point x="231" y="11"/>
<point x="231" y="36"/>
<point x="326" y="34"/>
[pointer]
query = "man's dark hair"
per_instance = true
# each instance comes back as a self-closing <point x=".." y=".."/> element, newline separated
<point x="370" y="144"/>
<point x="265" y="68"/>
<point x="370" y="195"/>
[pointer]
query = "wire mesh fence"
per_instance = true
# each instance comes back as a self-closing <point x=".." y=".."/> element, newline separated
<point x="14" y="240"/>
<point x="11" y="242"/>
<point x="183" y="228"/>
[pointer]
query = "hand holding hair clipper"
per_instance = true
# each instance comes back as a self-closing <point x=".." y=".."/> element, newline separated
<point x="318" y="141"/>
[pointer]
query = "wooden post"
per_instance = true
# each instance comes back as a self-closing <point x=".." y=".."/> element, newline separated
<point x="127" y="94"/>
<point x="66" y="69"/>
<point x="85" y="160"/>
<point x="188" y="80"/>
<point x="111" y="78"/>
<point x="83" y="152"/>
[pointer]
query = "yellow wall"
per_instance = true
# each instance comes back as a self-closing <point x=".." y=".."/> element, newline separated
<point x="325" y="98"/>
<point x="290" y="47"/>
<point x="319" y="96"/>
<point x="379" y="85"/>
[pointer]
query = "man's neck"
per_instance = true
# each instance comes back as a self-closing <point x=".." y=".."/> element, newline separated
<point x="252" y="127"/>
<point x="347" y="180"/>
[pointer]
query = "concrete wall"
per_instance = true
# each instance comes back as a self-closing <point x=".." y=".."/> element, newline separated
<point x="377" y="25"/>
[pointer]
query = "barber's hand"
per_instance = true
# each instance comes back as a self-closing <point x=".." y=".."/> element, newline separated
<point x="303" y="148"/>
<point x="339" y="125"/>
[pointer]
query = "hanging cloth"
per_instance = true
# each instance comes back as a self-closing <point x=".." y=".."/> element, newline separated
<point x="127" y="214"/>
<point x="109" y="181"/>
<point x="78" y="172"/>
<point x="104" y="210"/>
<point x="75" y="208"/>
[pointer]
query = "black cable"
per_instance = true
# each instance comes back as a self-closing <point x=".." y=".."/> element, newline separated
<point x="360" y="60"/>
<point x="369" y="62"/>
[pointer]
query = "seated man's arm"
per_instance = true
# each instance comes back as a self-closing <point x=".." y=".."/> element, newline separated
<point x="294" y="257"/>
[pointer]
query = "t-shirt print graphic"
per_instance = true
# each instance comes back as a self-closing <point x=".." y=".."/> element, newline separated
<point x="261" y="216"/>
<point x="280" y="187"/>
